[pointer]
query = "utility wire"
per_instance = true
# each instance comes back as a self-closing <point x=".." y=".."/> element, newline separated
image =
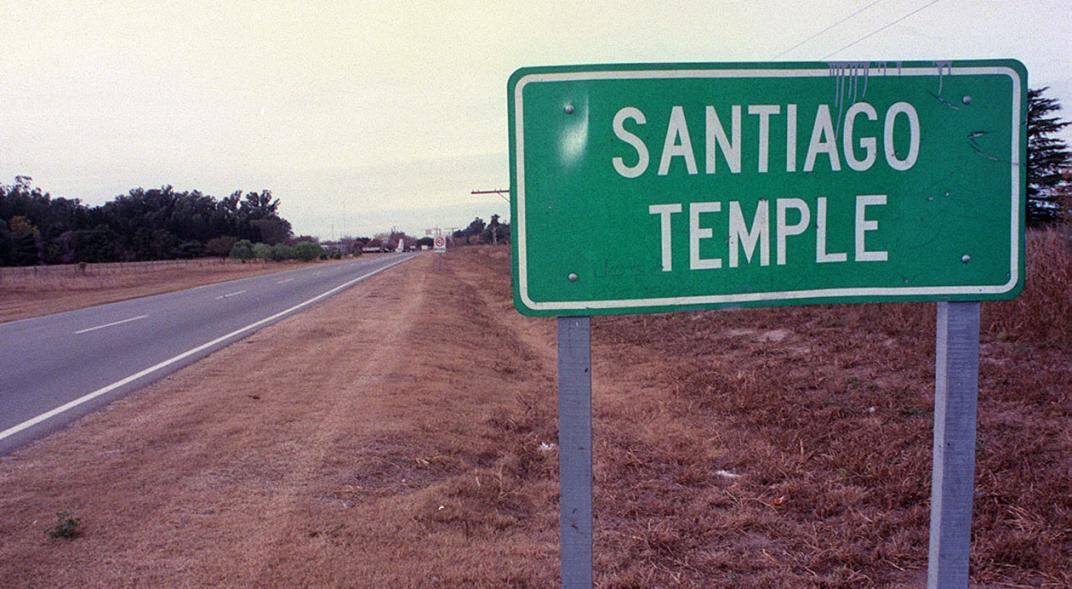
<point x="827" y="28"/>
<point x="880" y="29"/>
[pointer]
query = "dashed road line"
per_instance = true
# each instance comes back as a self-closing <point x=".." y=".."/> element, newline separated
<point x="89" y="329"/>
<point x="230" y="294"/>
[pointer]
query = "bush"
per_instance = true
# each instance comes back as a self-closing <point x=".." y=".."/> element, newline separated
<point x="307" y="251"/>
<point x="242" y="250"/>
<point x="262" y="251"/>
<point x="66" y="526"/>
<point x="282" y="251"/>
<point x="220" y="246"/>
<point x="190" y="249"/>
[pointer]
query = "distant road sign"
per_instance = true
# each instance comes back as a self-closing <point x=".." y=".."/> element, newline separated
<point x="765" y="184"/>
<point x="440" y="243"/>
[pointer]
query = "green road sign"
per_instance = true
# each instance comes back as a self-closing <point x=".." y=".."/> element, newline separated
<point x="649" y="188"/>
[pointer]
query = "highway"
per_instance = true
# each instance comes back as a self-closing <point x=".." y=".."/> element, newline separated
<point x="57" y="368"/>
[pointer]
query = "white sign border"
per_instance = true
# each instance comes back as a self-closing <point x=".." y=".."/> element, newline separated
<point x="519" y="143"/>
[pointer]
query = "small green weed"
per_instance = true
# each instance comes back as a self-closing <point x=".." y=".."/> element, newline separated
<point x="66" y="526"/>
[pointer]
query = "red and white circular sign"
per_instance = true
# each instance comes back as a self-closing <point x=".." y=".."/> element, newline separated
<point x="440" y="242"/>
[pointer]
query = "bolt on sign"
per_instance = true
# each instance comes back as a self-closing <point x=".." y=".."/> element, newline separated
<point x="650" y="188"/>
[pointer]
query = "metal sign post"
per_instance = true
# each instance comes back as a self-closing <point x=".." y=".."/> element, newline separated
<point x="956" y="388"/>
<point x="575" y="450"/>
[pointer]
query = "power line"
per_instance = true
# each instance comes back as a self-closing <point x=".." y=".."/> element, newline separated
<point x="827" y="28"/>
<point x="502" y="192"/>
<point x="880" y="29"/>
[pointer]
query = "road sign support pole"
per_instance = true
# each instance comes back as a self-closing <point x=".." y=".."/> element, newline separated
<point x="956" y="391"/>
<point x="575" y="451"/>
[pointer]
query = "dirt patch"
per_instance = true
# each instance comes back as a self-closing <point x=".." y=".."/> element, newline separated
<point x="36" y="291"/>
<point x="402" y="434"/>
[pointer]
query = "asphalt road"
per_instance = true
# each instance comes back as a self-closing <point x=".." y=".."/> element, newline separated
<point x="56" y="368"/>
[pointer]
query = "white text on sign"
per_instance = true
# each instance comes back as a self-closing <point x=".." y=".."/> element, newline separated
<point x="743" y="239"/>
<point x="678" y="142"/>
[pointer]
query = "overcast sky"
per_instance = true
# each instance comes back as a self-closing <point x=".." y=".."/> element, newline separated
<point x="361" y="116"/>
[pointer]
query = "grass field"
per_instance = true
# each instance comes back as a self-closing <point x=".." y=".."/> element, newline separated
<point x="791" y="447"/>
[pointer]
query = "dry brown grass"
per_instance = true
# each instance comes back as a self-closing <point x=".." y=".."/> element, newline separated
<point x="1043" y="313"/>
<point x="791" y="447"/>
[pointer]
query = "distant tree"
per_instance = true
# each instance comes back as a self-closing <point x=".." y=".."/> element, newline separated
<point x="190" y="249"/>
<point x="220" y="246"/>
<point x="24" y="238"/>
<point x="294" y="240"/>
<point x="271" y="231"/>
<point x="226" y="220"/>
<point x="354" y="244"/>
<point x="494" y="233"/>
<point x="6" y="244"/>
<point x="349" y="245"/>
<point x="425" y="241"/>
<point x="307" y="251"/>
<point x="242" y="250"/>
<point x="1047" y="157"/>
<point x="475" y="229"/>
<point x="259" y="205"/>
<point x="88" y="245"/>
<point x="163" y="244"/>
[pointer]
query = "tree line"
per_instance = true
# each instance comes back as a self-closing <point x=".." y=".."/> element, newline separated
<point x="162" y="224"/>
<point x="494" y="232"/>
<point x="154" y="224"/>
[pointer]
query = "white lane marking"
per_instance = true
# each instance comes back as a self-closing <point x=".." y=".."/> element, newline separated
<point x="7" y="324"/>
<point x="133" y="377"/>
<point x="230" y="294"/>
<point x="89" y="329"/>
<point x="285" y="281"/>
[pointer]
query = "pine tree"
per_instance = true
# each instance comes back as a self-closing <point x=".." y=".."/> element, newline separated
<point x="1047" y="157"/>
